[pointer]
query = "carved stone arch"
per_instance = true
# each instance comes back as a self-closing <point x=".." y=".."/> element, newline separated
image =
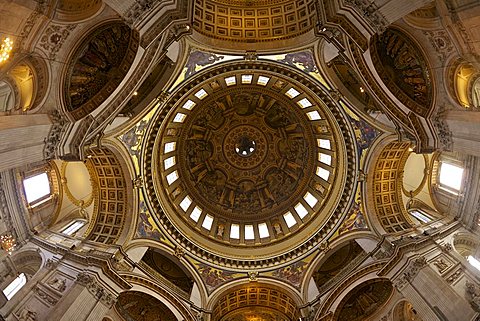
<point x="42" y="81"/>
<point x="337" y="259"/>
<point x="9" y="94"/>
<point x="152" y="288"/>
<point x="264" y="299"/>
<point x="331" y="302"/>
<point x="114" y="199"/>
<point x="168" y="267"/>
<point x="137" y="248"/>
<point x="23" y="79"/>
<point x="463" y="83"/>
<point x="97" y="66"/>
<point x="465" y="244"/>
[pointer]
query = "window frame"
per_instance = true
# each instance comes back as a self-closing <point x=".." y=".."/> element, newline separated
<point x="444" y="187"/>
<point x="43" y="199"/>
<point x="22" y="281"/>
<point x="69" y="225"/>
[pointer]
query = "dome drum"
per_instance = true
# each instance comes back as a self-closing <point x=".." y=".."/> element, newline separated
<point x="240" y="156"/>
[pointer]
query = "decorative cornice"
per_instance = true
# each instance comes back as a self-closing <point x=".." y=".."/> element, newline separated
<point x="103" y="260"/>
<point x="369" y="11"/>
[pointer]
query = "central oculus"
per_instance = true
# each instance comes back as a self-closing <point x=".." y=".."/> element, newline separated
<point x="245" y="146"/>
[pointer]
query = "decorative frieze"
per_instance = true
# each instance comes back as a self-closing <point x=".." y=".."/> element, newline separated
<point x="54" y="136"/>
<point x="455" y="276"/>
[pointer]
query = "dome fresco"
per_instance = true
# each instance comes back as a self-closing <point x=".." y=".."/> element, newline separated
<point x="232" y="160"/>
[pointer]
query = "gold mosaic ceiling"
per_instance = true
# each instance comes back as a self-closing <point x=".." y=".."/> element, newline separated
<point x="253" y="21"/>
<point x="247" y="156"/>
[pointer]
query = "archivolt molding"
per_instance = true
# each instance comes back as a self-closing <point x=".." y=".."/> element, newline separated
<point x="334" y="297"/>
<point x="385" y="186"/>
<point x="137" y="280"/>
<point x="110" y="207"/>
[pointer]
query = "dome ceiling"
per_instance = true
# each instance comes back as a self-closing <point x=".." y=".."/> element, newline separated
<point x="253" y="21"/>
<point x="247" y="157"/>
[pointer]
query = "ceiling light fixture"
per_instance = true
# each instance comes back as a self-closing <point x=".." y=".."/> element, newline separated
<point x="6" y="49"/>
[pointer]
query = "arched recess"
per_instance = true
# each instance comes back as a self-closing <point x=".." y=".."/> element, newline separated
<point x="384" y="186"/>
<point x="464" y="83"/>
<point x="404" y="311"/>
<point x="113" y="201"/>
<point x="97" y="66"/>
<point x="466" y="244"/>
<point x="334" y="262"/>
<point x="404" y="69"/>
<point x="255" y="301"/>
<point x="136" y="305"/>
<point x="364" y="300"/>
<point x="25" y="85"/>
<point x="23" y="265"/>
<point x="174" y="304"/>
<point x="168" y="268"/>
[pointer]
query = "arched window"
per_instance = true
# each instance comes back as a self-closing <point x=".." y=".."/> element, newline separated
<point x="15" y="286"/>
<point x="73" y="227"/>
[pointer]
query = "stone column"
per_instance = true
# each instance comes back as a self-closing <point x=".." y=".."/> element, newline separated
<point x="464" y="129"/>
<point x="88" y="301"/>
<point x="432" y="297"/>
<point x="23" y="139"/>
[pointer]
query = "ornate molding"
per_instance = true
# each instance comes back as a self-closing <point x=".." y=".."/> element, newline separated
<point x="369" y="11"/>
<point x="472" y="294"/>
<point x="54" y="137"/>
<point x="411" y="272"/>
<point x="443" y="131"/>
<point x="97" y="290"/>
<point x="54" y="37"/>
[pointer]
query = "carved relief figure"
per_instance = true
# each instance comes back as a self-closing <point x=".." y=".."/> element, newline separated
<point x="58" y="284"/>
<point x="441" y="265"/>
<point x="27" y="315"/>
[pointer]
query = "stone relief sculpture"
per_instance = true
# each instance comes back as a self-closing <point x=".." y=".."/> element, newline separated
<point x="27" y="315"/>
<point x="58" y="284"/>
